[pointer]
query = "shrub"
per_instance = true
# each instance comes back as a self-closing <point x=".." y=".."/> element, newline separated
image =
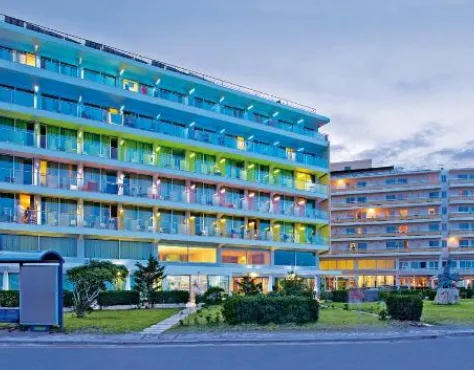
<point x="213" y="296"/>
<point x="404" y="307"/>
<point x="9" y="298"/>
<point x="466" y="293"/>
<point x="68" y="299"/>
<point x="265" y="310"/>
<point x="340" y="295"/>
<point x="118" y="298"/>
<point x="326" y="295"/>
<point x="171" y="296"/>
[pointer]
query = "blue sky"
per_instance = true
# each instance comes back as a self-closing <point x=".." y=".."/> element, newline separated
<point x="396" y="77"/>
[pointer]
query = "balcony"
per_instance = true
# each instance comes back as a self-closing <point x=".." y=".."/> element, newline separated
<point x="71" y="108"/>
<point x="396" y="218"/>
<point x="381" y="185"/>
<point x="70" y="180"/>
<point x="461" y="181"/>
<point x="175" y="97"/>
<point x="148" y="157"/>
<point x="386" y="251"/>
<point x="461" y="198"/>
<point x="381" y="234"/>
<point x="383" y="201"/>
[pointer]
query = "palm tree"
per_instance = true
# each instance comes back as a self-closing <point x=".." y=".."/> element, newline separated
<point x="249" y="286"/>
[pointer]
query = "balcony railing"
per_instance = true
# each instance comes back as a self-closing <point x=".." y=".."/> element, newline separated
<point x="384" y="186"/>
<point x="183" y="99"/>
<point x="386" y="251"/>
<point x="461" y="197"/>
<point x="420" y="232"/>
<point x="24" y="137"/>
<point x="70" y="108"/>
<point x="372" y="202"/>
<point x="354" y="219"/>
<point x="64" y="179"/>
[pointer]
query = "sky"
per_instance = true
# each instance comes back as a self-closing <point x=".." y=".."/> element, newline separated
<point x="395" y="77"/>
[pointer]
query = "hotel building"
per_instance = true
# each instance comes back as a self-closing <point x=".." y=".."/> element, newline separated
<point x="105" y="154"/>
<point x="390" y="226"/>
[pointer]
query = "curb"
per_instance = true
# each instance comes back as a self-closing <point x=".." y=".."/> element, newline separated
<point x="233" y="341"/>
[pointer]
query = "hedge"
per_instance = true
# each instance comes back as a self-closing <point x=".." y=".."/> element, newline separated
<point x="466" y="293"/>
<point x="170" y="296"/>
<point x="404" y="307"/>
<point x="118" y="298"/>
<point x="269" y="309"/>
<point x="68" y="299"/>
<point x="9" y="298"/>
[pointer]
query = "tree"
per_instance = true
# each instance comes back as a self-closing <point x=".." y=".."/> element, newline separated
<point x="249" y="286"/>
<point x="294" y="285"/>
<point x="148" y="279"/>
<point x="89" y="280"/>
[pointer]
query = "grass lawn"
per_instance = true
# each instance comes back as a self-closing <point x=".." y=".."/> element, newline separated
<point x="329" y="319"/>
<point x="371" y="307"/>
<point x="116" y="321"/>
<point x="462" y="313"/>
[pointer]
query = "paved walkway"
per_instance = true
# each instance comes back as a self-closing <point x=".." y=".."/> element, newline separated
<point x="169" y="322"/>
<point x="232" y="337"/>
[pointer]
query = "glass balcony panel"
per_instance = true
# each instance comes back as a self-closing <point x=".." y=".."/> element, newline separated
<point x="93" y="113"/>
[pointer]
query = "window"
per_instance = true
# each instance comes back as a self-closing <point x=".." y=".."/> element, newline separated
<point x="433" y="243"/>
<point x="464" y="243"/>
<point x="391" y="229"/>
<point x="350" y="200"/>
<point x="285" y="258"/>
<point x="305" y="259"/>
<point x="361" y="184"/>
<point x="361" y="199"/>
<point x="350" y="231"/>
<point x="463" y="209"/>
<point x="433" y="194"/>
<point x="187" y="254"/>
<point x="433" y="227"/>
<point x="390" y="197"/>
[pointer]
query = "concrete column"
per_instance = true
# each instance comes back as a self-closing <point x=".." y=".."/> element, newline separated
<point x="128" y="282"/>
<point x="37" y="136"/>
<point x="36" y="172"/>
<point x="156" y="225"/>
<point x="37" y="206"/>
<point x="271" y="281"/>
<point x="120" y="180"/>
<point x="230" y="284"/>
<point x="80" y="212"/>
<point x="80" y="247"/>
<point x="80" y="141"/>
<point x="156" y="186"/>
<point x="80" y="176"/>
<point x="6" y="282"/>
<point x="317" y="283"/>
<point x="219" y="255"/>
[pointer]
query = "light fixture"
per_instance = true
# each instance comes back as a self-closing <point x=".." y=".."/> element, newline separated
<point x="192" y="124"/>
<point x="192" y="155"/>
<point x="222" y="190"/>
<point x="276" y="170"/>
<point x="36" y="88"/>
<point x="251" y="166"/>
<point x="158" y="116"/>
<point x="276" y="143"/>
<point x="122" y="71"/>
<point x="277" y="198"/>
<point x="221" y="99"/>
<point x="300" y="120"/>
<point x="251" y="195"/>
<point x="222" y="131"/>
<point x="158" y="81"/>
<point x="36" y="47"/>
<point x="250" y="107"/>
<point x="222" y="160"/>
<point x="80" y="99"/>
<point x="122" y="108"/>
<point x="300" y="149"/>
<point x="275" y="114"/>
<point x="250" y="137"/>
<point x="158" y="148"/>
<point x="192" y="91"/>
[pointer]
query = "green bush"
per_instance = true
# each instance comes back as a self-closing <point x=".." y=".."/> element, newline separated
<point x="466" y="293"/>
<point x="213" y="296"/>
<point x="340" y="295"/>
<point x="404" y="307"/>
<point x="9" y="298"/>
<point x="267" y="309"/>
<point x="118" y="298"/>
<point x="326" y="295"/>
<point x="68" y="299"/>
<point x="171" y="296"/>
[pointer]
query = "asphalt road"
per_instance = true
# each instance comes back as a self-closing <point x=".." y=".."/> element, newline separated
<point x="416" y="355"/>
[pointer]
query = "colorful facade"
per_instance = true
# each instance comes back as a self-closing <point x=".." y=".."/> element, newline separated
<point x="106" y="154"/>
<point x="390" y="226"/>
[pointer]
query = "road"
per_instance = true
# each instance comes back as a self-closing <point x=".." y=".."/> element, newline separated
<point x="417" y="355"/>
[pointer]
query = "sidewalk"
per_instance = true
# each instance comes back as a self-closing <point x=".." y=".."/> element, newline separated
<point x="231" y="337"/>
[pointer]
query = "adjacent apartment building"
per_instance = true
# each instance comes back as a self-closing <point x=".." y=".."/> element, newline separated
<point x="105" y="154"/>
<point x="389" y="226"/>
